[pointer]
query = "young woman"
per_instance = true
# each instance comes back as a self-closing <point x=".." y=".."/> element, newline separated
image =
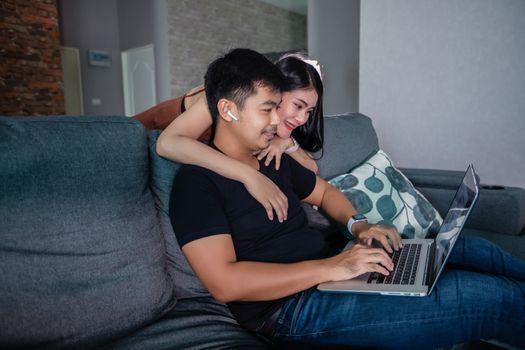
<point x="300" y="134"/>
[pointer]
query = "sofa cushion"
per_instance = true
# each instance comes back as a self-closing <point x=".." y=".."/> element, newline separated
<point x="349" y="139"/>
<point x="82" y="253"/>
<point x="163" y="171"/>
<point x="194" y="324"/>
<point x="380" y="191"/>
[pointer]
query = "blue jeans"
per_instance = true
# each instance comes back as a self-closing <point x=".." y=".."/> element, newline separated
<point x="480" y="295"/>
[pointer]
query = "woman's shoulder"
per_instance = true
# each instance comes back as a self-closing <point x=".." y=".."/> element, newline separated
<point x="195" y="90"/>
<point x="193" y="95"/>
<point x="160" y="115"/>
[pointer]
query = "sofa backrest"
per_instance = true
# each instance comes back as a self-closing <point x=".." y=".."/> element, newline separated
<point x="350" y="139"/>
<point x="82" y="253"/>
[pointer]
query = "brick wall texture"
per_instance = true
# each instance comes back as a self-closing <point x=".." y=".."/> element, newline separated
<point x="201" y="30"/>
<point x="31" y="80"/>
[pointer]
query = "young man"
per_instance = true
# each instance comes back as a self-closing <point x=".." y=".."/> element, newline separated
<point x="266" y="270"/>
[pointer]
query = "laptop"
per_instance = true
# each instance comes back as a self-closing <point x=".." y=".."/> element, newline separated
<point x="418" y="265"/>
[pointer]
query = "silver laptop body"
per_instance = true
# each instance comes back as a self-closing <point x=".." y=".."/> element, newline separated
<point x="430" y="254"/>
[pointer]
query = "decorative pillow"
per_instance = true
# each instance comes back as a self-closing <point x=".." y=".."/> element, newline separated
<point x="381" y="192"/>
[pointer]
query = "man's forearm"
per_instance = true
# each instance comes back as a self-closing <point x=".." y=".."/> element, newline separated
<point x="214" y="261"/>
<point x="335" y="204"/>
<point x="257" y="281"/>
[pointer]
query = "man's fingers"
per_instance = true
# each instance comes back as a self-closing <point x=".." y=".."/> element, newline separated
<point x="396" y="238"/>
<point x="396" y="242"/>
<point x="379" y="268"/>
<point x="379" y="256"/>
<point x="385" y="243"/>
<point x="387" y="237"/>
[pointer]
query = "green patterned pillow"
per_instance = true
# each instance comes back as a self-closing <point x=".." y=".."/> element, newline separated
<point x="381" y="192"/>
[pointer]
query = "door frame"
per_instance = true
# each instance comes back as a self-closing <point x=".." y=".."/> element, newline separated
<point x="76" y="52"/>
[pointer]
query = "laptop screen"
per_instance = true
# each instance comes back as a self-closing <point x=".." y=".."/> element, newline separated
<point x="455" y="219"/>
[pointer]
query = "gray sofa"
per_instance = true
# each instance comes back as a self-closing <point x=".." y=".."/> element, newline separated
<point x="88" y="258"/>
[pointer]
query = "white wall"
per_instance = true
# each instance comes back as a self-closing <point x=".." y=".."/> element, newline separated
<point x="444" y="81"/>
<point x="160" y="43"/>
<point x="135" y="23"/>
<point x="333" y="39"/>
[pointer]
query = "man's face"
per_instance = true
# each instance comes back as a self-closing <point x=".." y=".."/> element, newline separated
<point x="258" y="119"/>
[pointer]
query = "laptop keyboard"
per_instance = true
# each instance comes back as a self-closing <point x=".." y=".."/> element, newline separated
<point x="405" y="266"/>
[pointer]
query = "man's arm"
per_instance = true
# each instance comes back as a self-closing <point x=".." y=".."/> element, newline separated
<point x="214" y="261"/>
<point x="334" y="203"/>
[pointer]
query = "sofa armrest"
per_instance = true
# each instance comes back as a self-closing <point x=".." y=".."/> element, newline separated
<point x="499" y="209"/>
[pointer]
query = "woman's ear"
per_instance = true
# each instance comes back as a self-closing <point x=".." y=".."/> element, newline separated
<point x="225" y="108"/>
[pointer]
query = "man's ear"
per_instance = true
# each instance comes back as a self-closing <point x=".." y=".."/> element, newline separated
<point x="227" y="110"/>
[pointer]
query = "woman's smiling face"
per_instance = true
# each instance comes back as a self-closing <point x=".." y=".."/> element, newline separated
<point x="295" y="109"/>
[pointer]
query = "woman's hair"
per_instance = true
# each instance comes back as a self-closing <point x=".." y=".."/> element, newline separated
<point x="302" y="75"/>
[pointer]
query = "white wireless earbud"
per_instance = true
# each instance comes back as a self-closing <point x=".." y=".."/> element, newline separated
<point x="232" y="116"/>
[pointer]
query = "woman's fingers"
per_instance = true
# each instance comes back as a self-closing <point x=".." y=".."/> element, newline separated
<point x="276" y="202"/>
<point x="269" y="158"/>
<point x="268" y="195"/>
<point x="279" y="203"/>
<point x="278" y="161"/>
<point x="262" y="153"/>
<point x="275" y="150"/>
<point x="269" y="210"/>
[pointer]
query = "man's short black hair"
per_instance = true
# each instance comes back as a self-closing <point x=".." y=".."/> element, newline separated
<point x="236" y="76"/>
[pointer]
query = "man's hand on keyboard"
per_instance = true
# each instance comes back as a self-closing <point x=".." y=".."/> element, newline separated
<point x="358" y="260"/>
<point x="388" y="237"/>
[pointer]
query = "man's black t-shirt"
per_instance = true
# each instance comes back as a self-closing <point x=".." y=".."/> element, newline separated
<point x="204" y="203"/>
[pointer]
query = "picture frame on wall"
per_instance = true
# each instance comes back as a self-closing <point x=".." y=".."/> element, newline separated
<point x="99" y="58"/>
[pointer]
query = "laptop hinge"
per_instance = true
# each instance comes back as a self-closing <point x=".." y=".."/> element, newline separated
<point x="430" y="273"/>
